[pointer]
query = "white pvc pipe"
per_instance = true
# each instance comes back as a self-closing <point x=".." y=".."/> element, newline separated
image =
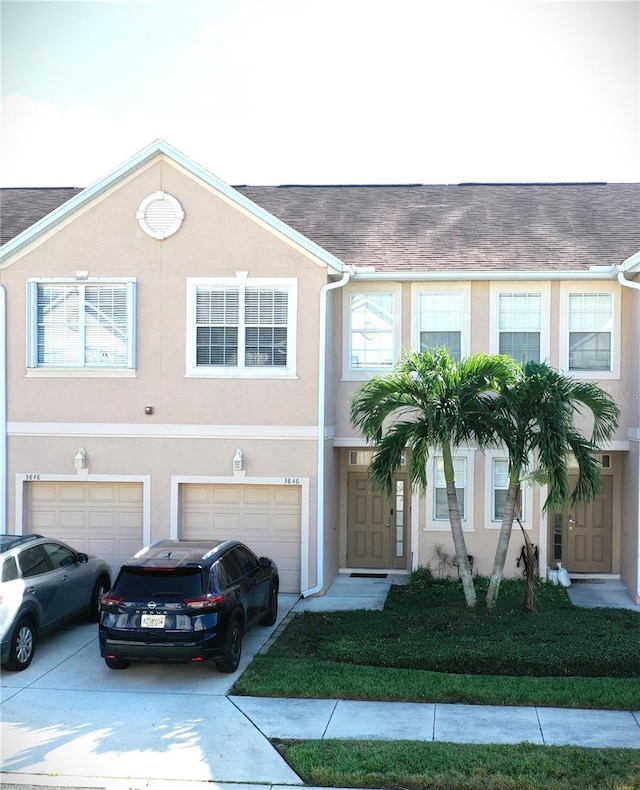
<point x="3" y="410"/>
<point x="322" y="384"/>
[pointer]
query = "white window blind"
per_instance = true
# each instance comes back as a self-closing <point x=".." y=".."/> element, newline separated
<point x="520" y="325"/>
<point x="81" y="324"/>
<point x="440" y="317"/>
<point x="440" y="485"/>
<point x="590" y="331"/>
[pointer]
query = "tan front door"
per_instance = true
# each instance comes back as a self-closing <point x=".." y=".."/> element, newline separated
<point x="589" y="528"/>
<point x="376" y="525"/>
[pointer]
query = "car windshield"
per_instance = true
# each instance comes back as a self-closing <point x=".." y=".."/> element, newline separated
<point x="157" y="583"/>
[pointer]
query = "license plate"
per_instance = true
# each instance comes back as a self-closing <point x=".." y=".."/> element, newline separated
<point x="152" y="621"/>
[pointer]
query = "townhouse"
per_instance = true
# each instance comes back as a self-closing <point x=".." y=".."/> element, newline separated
<point x="178" y="358"/>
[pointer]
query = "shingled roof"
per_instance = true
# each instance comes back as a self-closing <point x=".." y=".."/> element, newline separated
<point x="403" y="228"/>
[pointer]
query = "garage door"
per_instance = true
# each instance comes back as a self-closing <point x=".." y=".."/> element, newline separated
<point x="98" y="518"/>
<point x="266" y="518"/>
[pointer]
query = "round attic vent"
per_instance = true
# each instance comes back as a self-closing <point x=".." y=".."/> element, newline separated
<point x="160" y="215"/>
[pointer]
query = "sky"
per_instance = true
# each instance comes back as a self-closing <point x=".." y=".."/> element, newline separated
<point x="323" y="91"/>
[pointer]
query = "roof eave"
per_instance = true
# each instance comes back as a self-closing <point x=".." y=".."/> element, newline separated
<point x="155" y="149"/>
<point x="593" y="273"/>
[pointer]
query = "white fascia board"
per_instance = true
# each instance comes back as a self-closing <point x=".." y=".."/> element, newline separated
<point x="443" y="275"/>
<point x="632" y="263"/>
<point x="158" y="148"/>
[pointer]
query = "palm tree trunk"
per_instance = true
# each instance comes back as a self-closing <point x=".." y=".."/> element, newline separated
<point x="502" y="548"/>
<point x="462" y="557"/>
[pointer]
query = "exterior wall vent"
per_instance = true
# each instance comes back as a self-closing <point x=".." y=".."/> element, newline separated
<point x="160" y="215"/>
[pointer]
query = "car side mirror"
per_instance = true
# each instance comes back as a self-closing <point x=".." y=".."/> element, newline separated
<point x="265" y="562"/>
<point x="82" y="557"/>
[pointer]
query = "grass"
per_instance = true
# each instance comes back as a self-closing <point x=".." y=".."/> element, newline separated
<point x="414" y="765"/>
<point x="426" y="646"/>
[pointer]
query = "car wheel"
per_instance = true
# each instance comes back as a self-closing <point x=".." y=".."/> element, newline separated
<point x="99" y="589"/>
<point x="233" y="646"/>
<point x="23" y="645"/>
<point x="271" y="614"/>
<point x="116" y="663"/>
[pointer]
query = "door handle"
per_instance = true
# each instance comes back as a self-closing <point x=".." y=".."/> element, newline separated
<point x="31" y="590"/>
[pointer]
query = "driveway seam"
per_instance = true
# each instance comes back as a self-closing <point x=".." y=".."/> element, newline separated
<point x="544" y="743"/>
<point x="335" y="705"/>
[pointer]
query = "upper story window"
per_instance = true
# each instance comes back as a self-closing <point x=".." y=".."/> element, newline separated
<point x="520" y="326"/>
<point x="441" y="505"/>
<point x="590" y="331"/>
<point x="372" y="331"/>
<point x="81" y="324"/>
<point x="241" y="327"/>
<point x="440" y="322"/>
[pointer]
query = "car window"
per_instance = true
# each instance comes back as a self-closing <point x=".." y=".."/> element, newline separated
<point x="60" y="556"/>
<point x="246" y="558"/>
<point x="219" y="579"/>
<point x="152" y="584"/>
<point x="33" y="561"/>
<point x="232" y="567"/>
<point x="9" y="569"/>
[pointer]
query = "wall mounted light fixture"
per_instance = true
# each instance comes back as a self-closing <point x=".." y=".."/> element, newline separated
<point x="80" y="460"/>
<point x="148" y="409"/>
<point x="238" y="461"/>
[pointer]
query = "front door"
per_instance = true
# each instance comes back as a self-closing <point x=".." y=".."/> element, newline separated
<point x="589" y="531"/>
<point x="376" y="525"/>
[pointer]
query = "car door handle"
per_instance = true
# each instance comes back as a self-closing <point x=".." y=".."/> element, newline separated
<point x="32" y="590"/>
<point x="65" y="578"/>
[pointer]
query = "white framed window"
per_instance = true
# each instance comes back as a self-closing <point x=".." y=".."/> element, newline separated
<point x="590" y="330"/>
<point x="440" y="322"/>
<point x="241" y="327"/>
<point x="520" y="326"/>
<point x="496" y="490"/>
<point x="520" y="323"/>
<point x="372" y="340"/>
<point x="437" y="510"/>
<point x="81" y="324"/>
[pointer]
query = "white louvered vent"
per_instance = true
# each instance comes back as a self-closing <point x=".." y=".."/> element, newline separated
<point x="160" y="215"/>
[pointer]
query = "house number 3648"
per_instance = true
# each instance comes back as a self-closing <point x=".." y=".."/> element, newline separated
<point x="32" y="477"/>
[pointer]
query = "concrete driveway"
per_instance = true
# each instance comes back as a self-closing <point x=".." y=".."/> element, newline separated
<point x="70" y="716"/>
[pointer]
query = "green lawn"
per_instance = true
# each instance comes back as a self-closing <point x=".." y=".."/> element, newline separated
<point x="426" y="646"/>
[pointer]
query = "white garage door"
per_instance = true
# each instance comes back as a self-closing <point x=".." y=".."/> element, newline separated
<point x="104" y="519"/>
<point x="266" y="518"/>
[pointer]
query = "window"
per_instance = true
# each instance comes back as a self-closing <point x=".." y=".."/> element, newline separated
<point x="371" y="331"/>
<point x="499" y="487"/>
<point x="33" y="562"/>
<point x="59" y="556"/>
<point x="441" y="507"/>
<point x="88" y="325"/>
<point x="590" y="331"/>
<point x="440" y="322"/>
<point x="520" y="326"/>
<point x="238" y="328"/>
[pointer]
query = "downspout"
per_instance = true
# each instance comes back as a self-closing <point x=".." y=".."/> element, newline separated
<point x="3" y="410"/>
<point x="322" y="385"/>
<point x="629" y="284"/>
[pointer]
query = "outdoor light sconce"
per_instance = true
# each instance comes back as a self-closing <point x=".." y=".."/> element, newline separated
<point x="80" y="460"/>
<point x="238" y="461"/>
<point x="148" y="409"/>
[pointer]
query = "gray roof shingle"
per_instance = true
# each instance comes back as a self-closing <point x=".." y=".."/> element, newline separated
<point x="403" y="228"/>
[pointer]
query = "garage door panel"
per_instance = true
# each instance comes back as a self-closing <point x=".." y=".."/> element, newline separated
<point x="105" y="519"/>
<point x="266" y="518"/>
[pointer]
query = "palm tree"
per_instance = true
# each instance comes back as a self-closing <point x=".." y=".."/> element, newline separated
<point x="431" y="401"/>
<point x="535" y="419"/>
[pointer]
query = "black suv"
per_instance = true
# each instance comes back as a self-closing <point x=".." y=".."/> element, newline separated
<point x="43" y="584"/>
<point x="178" y="601"/>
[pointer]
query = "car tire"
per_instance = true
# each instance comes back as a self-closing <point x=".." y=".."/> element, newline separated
<point x="23" y="645"/>
<point x="271" y="614"/>
<point x="233" y="646"/>
<point x="99" y="589"/>
<point x="116" y="663"/>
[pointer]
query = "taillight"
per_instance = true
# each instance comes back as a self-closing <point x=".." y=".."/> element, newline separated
<point x="205" y="602"/>
<point x="111" y="601"/>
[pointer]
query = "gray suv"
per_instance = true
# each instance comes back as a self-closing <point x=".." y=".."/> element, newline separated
<point x="44" y="583"/>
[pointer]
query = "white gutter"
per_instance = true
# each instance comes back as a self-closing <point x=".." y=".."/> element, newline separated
<point x="322" y="385"/>
<point x="636" y="286"/>
<point x="3" y="410"/>
<point x="595" y="272"/>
